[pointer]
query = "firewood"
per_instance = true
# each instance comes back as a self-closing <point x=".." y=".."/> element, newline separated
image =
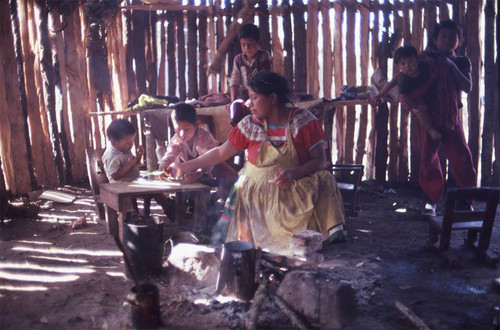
<point x="288" y="312"/>
<point x="288" y="262"/>
<point x="411" y="316"/>
<point x="258" y="299"/>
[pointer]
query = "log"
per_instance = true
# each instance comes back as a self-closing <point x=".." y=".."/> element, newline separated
<point x="351" y="68"/>
<point x="473" y="49"/>
<point x="220" y="39"/>
<point x="338" y="71"/>
<point x="212" y="49"/>
<point x="265" y="35"/>
<point x="12" y="135"/>
<point x="203" y="63"/>
<point x="181" y="55"/>
<point x="327" y="50"/>
<point x="299" y="40"/>
<point x="287" y="42"/>
<point x="151" y="51"/>
<point x="312" y="52"/>
<point x="411" y="316"/>
<point x="129" y="57"/>
<point x="253" y="312"/>
<point x="192" y="47"/>
<point x="171" y="42"/>
<point x="277" y="47"/>
<point x="138" y="47"/>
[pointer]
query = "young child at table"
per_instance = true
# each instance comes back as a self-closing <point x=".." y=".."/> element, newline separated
<point x="191" y="141"/>
<point x="413" y="80"/>
<point x="121" y="165"/>
<point x="251" y="58"/>
<point x="284" y="187"/>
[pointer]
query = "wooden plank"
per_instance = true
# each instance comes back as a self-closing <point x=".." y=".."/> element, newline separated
<point x="327" y="49"/>
<point x="129" y="57"/>
<point x="351" y="68"/>
<point x="473" y="49"/>
<point x="312" y="52"/>
<point x="403" y="22"/>
<point x="213" y="47"/>
<point x="264" y="28"/>
<point x="203" y="49"/>
<point x="220" y="38"/>
<point x="338" y="69"/>
<point x="288" y="44"/>
<point x="151" y="50"/>
<point x="163" y="59"/>
<point x="181" y="56"/>
<point x="277" y="47"/>
<point x="192" y="52"/>
<point x="171" y="58"/>
<point x="363" y="115"/>
<point x="138" y="46"/>
<point x="299" y="40"/>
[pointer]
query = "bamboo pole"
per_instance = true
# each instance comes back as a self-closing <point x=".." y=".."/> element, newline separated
<point x="299" y="40"/>
<point x="192" y="46"/>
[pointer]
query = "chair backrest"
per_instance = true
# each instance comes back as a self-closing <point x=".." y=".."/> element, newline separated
<point x="95" y="169"/>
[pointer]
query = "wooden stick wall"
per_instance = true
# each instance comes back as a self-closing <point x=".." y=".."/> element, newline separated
<point x="168" y="49"/>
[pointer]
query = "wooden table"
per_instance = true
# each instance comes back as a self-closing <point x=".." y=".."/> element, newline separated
<point x="118" y="196"/>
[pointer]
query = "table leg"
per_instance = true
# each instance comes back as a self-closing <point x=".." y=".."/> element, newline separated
<point x="111" y="220"/>
<point x="180" y="207"/>
<point x="200" y="210"/>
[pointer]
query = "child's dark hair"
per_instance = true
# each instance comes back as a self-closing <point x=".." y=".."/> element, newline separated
<point x="405" y="52"/>
<point x="185" y="112"/>
<point x="249" y="31"/>
<point x="119" y="129"/>
<point x="266" y="83"/>
<point x="450" y="25"/>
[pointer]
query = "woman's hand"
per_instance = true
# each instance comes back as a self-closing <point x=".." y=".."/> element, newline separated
<point x="174" y="170"/>
<point x="376" y="100"/>
<point x="283" y="179"/>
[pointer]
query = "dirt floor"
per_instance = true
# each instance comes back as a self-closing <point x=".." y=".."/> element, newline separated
<point x="54" y="277"/>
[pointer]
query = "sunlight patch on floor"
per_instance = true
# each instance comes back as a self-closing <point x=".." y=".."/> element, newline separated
<point x="80" y="261"/>
<point x="38" y="277"/>
<point x="23" y="288"/>
<point x="55" y="250"/>
<point x="55" y="269"/>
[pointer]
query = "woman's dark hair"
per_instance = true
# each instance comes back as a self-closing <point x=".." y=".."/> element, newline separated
<point x="266" y="83"/>
<point x="450" y="25"/>
<point x="185" y="112"/>
<point x="119" y="129"/>
<point x="405" y="52"/>
<point x="249" y="31"/>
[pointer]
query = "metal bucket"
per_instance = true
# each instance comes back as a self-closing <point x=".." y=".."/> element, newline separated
<point x="143" y="243"/>
<point x="145" y="312"/>
<point x="237" y="270"/>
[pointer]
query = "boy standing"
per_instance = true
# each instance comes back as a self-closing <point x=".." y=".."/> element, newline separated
<point x="251" y="58"/>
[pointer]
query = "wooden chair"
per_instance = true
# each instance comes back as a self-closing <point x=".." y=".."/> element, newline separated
<point x="348" y="178"/>
<point x="96" y="174"/>
<point x="476" y="222"/>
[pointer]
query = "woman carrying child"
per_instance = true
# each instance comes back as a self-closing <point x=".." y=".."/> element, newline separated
<point x="284" y="187"/>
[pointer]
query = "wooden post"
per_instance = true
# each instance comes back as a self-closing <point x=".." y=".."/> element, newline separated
<point x="220" y="38"/>
<point x="474" y="53"/>
<point x="403" y="24"/>
<point x="277" y="47"/>
<point x="192" y="51"/>
<point x="299" y="35"/>
<point x="151" y="51"/>
<point x="203" y="63"/>
<point x="351" y="68"/>
<point x="265" y="34"/>
<point x="287" y="31"/>
<point x="129" y="57"/>
<point x="312" y="52"/>
<point x="213" y="47"/>
<point x="491" y="88"/>
<point x="327" y="49"/>
<point x="338" y="70"/>
<point x="14" y="154"/>
<point x="363" y="116"/>
<point x="181" y="55"/>
<point x="138" y="46"/>
<point x="163" y="58"/>
<point x="171" y="42"/>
